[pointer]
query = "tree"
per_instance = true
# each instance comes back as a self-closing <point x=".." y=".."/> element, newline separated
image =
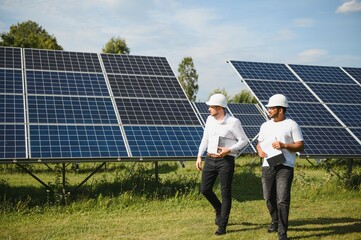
<point x="222" y="91"/>
<point x="28" y="35"/>
<point x="188" y="78"/>
<point x="244" y="97"/>
<point x="116" y="45"/>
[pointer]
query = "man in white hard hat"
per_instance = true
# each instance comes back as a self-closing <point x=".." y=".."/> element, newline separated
<point x="219" y="161"/>
<point x="283" y="134"/>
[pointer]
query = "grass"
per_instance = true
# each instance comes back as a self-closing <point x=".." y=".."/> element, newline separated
<point x="122" y="202"/>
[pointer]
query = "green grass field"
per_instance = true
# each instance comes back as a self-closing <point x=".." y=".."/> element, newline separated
<point x="124" y="201"/>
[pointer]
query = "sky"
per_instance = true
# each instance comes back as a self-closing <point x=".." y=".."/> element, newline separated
<point x="311" y="32"/>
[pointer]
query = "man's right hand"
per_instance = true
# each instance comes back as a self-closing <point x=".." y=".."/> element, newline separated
<point x="199" y="163"/>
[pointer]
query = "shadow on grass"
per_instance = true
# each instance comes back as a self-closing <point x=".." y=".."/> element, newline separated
<point x="247" y="186"/>
<point x="309" y="228"/>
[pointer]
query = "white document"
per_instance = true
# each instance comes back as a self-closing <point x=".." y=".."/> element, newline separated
<point x="213" y="145"/>
<point x="268" y="149"/>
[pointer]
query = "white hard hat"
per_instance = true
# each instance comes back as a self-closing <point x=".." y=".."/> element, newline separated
<point x="217" y="100"/>
<point x="277" y="100"/>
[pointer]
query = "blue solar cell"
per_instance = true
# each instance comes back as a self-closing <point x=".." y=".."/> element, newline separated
<point x="354" y="72"/>
<point x="62" y="61"/>
<point x="12" y="141"/>
<point x="202" y="107"/>
<point x="258" y="70"/>
<point x="330" y="142"/>
<point x="357" y="132"/>
<point x="139" y="65"/>
<point x="61" y="83"/>
<point x="350" y="115"/>
<point x="156" y="111"/>
<point x="321" y="74"/>
<point x="337" y="93"/>
<point x="251" y="132"/>
<point x="70" y="110"/>
<point x="308" y="114"/>
<point x="250" y="120"/>
<point x="11" y="81"/>
<point x="63" y="141"/>
<point x="243" y="108"/>
<point x="11" y="109"/>
<point x="145" y="86"/>
<point x="10" y="57"/>
<point x="163" y="141"/>
<point x="294" y="91"/>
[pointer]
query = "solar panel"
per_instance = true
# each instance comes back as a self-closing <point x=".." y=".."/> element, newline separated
<point x="323" y="101"/>
<point x="10" y="57"/>
<point x="163" y="141"/>
<point x="257" y="70"/>
<point x="61" y="61"/>
<point x="92" y="106"/>
<point x="338" y="93"/>
<point x="295" y="91"/>
<point x="12" y="119"/>
<point x="354" y="72"/>
<point x="321" y="74"/>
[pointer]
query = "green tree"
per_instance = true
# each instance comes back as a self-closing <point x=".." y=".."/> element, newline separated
<point x="222" y="91"/>
<point x="188" y="78"/>
<point x="116" y="45"/>
<point x="28" y="35"/>
<point x="244" y="97"/>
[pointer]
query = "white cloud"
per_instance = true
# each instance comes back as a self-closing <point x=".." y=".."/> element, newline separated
<point x="349" y="6"/>
<point x="312" y="55"/>
<point x="303" y="22"/>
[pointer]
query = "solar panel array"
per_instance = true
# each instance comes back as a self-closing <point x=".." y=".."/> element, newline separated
<point x="250" y="116"/>
<point x="325" y="101"/>
<point x="58" y="105"/>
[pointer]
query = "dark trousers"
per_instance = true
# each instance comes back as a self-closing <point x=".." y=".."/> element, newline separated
<point x="224" y="169"/>
<point x="276" y="183"/>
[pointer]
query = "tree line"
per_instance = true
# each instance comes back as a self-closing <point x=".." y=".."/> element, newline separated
<point x="30" y="34"/>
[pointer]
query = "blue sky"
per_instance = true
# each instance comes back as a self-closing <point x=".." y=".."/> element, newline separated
<point x="316" y="32"/>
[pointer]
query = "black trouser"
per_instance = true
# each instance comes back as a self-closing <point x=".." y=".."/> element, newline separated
<point x="276" y="183"/>
<point x="224" y="169"/>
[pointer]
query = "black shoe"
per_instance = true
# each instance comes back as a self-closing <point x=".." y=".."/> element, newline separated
<point x="220" y="231"/>
<point x="273" y="227"/>
<point x="217" y="220"/>
<point x="282" y="236"/>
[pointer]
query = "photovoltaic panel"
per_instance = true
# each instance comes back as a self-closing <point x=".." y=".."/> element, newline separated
<point x="156" y="112"/>
<point x="138" y="65"/>
<point x="164" y="141"/>
<point x="250" y="120"/>
<point x="12" y="119"/>
<point x="338" y="93"/>
<point x="12" y="141"/>
<point x="354" y="72"/>
<point x="10" y="57"/>
<point x="357" y="132"/>
<point x="131" y="86"/>
<point x="350" y="115"/>
<point x="11" y="81"/>
<point x="295" y="91"/>
<point x="324" y="134"/>
<point x="76" y="141"/>
<point x="37" y="59"/>
<point x="11" y="109"/>
<point x="71" y="110"/>
<point x="330" y="141"/>
<point x="311" y="114"/>
<point x="243" y="108"/>
<point x="321" y="74"/>
<point x="258" y="70"/>
<point x="66" y="83"/>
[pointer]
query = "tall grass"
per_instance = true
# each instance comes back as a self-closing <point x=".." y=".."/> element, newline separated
<point x="125" y="201"/>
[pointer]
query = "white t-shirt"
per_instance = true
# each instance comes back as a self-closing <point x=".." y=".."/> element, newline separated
<point x="286" y="131"/>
